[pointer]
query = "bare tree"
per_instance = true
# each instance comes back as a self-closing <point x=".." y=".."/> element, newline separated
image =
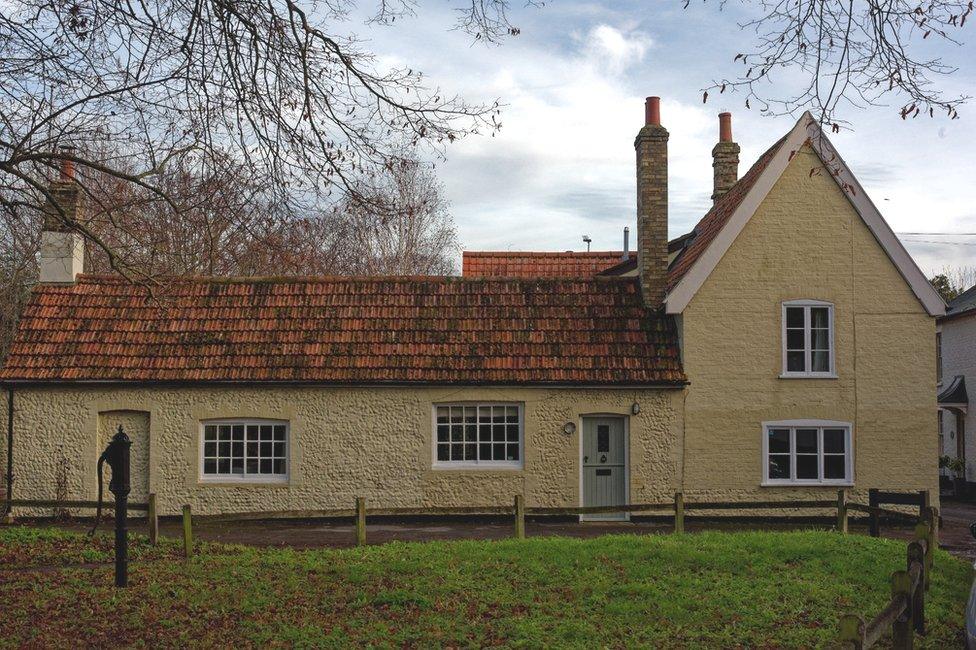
<point x="414" y="233"/>
<point x="952" y="281"/>
<point x="229" y="230"/>
<point x="125" y="91"/>
<point x="846" y="54"/>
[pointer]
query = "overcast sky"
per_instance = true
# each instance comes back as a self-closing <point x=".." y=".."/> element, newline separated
<point x="573" y="85"/>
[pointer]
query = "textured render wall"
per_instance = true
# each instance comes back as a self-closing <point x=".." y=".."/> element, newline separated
<point x="959" y="358"/>
<point x="806" y="241"/>
<point x="344" y="443"/>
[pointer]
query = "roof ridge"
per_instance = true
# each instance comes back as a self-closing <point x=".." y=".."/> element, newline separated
<point x="95" y="278"/>
<point x="544" y="253"/>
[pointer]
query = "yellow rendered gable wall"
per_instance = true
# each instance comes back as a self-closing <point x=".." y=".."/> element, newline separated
<point x="345" y="442"/>
<point x="806" y="241"/>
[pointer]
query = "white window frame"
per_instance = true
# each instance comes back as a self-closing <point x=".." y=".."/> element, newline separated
<point x="793" y="425"/>
<point x="807" y="343"/>
<point x="245" y="477"/>
<point x="477" y="464"/>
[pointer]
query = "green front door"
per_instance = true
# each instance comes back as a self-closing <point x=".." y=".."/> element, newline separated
<point x="604" y="465"/>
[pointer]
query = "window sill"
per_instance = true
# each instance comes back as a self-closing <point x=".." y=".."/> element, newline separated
<point x="245" y="482"/>
<point x="795" y="484"/>
<point x="482" y="467"/>
<point x="808" y="375"/>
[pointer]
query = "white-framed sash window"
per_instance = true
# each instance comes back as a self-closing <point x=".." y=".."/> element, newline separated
<point x="808" y="339"/>
<point x="244" y="450"/>
<point x="807" y="452"/>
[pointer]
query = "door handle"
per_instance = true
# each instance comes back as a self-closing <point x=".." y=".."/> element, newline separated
<point x="586" y="458"/>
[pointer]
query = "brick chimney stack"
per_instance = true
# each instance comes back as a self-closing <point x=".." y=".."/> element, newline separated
<point x="652" y="204"/>
<point x="62" y="248"/>
<point x="725" y="158"/>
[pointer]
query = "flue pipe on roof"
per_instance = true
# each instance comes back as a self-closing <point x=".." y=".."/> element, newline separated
<point x="626" y="254"/>
<point x="67" y="164"/>
<point x="725" y="127"/>
<point x="652" y="111"/>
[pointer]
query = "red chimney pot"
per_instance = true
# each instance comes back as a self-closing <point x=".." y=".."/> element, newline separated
<point x="725" y="127"/>
<point x="652" y="111"/>
<point x="67" y="165"/>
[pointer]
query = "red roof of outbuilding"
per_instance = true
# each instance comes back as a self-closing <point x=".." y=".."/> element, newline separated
<point x="481" y="264"/>
<point x="346" y="330"/>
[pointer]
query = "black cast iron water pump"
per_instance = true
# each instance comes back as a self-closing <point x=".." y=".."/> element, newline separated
<point x="116" y="454"/>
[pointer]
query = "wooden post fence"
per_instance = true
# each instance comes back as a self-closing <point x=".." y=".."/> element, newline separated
<point x="901" y="628"/>
<point x="874" y="527"/>
<point x="679" y="512"/>
<point x="187" y="532"/>
<point x="153" y="522"/>
<point x="519" y="516"/>
<point x="360" y="521"/>
<point x="841" y="511"/>
<point x="905" y="613"/>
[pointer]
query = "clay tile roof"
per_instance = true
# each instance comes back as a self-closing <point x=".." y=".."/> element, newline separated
<point x="716" y="218"/>
<point x="484" y="264"/>
<point x="346" y="330"/>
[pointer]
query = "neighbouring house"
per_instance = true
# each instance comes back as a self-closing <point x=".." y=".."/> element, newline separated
<point x="780" y="349"/>
<point x="956" y="369"/>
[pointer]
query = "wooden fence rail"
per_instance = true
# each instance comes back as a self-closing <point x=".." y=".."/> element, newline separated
<point x="152" y="517"/>
<point x="904" y="615"/>
<point x="518" y="510"/>
<point x="61" y="503"/>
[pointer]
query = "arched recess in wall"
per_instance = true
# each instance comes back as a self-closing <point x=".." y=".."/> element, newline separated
<point x="136" y="425"/>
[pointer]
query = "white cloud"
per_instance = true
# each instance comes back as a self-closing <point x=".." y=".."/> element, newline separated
<point x="573" y="86"/>
<point x="614" y="49"/>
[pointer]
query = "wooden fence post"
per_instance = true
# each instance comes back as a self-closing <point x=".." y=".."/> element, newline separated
<point x="924" y="501"/>
<point x="187" y="532"/>
<point x="902" y="635"/>
<point x="153" y="522"/>
<point x="874" y="527"/>
<point x="360" y="521"/>
<point x="932" y="519"/>
<point x="841" y="511"/>
<point x="851" y="632"/>
<point x="679" y="512"/>
<point x="917" y="556"/>
<point x="519" y="516"/>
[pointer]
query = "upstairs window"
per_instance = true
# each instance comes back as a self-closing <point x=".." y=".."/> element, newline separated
<point x="808" y="339"/>
<point x="244" y="450"/>
<point x="477" y="435"/>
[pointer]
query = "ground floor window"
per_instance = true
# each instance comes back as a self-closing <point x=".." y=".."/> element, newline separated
<point x="244" y="450"/>
<point x="807" y="452"/>
<point x="478" y="435"/>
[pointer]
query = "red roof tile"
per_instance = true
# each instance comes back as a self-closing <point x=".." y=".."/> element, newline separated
<point x="346" y="330"/>
<point x="482" y="264"/>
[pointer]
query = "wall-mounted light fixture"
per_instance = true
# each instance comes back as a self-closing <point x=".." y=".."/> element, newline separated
<point x="635" y="408"/>
<point x="569" y="428"/>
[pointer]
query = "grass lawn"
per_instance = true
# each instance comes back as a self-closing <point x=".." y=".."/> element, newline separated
<point x="750" y="589"/>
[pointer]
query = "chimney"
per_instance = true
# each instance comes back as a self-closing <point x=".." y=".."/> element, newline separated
<point x="725" y="158"/>
<point x="626" y="255"/>
<point x="652" y="204"/>
<point x="62" y="248"/>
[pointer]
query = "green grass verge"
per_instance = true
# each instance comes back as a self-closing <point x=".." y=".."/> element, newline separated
<point x="749" y="589"/>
